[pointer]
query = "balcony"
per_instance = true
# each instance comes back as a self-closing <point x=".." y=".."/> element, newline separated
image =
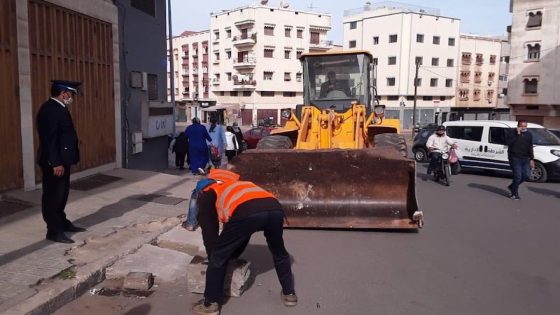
<point x="216" y="61"/>
<point x="466" y="61"/>
<point x="185" y="74"/>
<point x="477" y="79"/>
<point x="246" y="62"/>
<point x="244" y="40"/>
<point x="321" y="45"/>
<point x="215" y="81"/>
<point x="243" y="84"/>
<point x="465" y="79"/>
<point x="245" y="23"/>
<point x="186" y="93"/>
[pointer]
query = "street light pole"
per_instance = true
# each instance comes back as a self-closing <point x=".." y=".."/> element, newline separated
<point x="171" y="64"/>
<point x="415" y="95"/>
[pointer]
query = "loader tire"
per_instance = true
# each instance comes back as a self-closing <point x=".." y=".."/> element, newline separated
<point x="391" y="140"/>
<point x="275" y="142"/>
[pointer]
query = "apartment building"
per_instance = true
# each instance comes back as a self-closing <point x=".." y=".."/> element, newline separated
<point x="534" y="69"/>
<point x="478" y="77"/>
<point x="504" y="73"/>
<point x="399" y="36"/>
<point x="191" y="65"/>
<point x="254" y="51"/>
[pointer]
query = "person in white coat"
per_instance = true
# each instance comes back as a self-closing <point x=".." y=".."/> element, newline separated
<point x="232" y="146"/>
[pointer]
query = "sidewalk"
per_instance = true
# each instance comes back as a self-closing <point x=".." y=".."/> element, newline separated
<point x="122" y="210"/>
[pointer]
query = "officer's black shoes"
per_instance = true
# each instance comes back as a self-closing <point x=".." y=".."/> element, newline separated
<point x="73" y="228"/>
<point x="289" y="299"/>
<point x="59" y="238"/>
<point x="203" y="308"/>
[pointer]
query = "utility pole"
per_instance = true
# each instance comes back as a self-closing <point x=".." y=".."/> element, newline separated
<point x="171" y="64"/>
<point x="415" y="95"/>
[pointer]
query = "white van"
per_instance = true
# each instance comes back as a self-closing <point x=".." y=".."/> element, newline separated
<point x="482" y="146"/>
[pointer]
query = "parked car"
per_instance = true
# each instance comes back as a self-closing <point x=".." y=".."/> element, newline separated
<point x="556" y="132"/>
<point x="419" y="148"/>
<point x="254" y="135"/>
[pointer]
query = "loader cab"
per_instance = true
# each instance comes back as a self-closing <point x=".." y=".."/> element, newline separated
<point x="336" y="80"/>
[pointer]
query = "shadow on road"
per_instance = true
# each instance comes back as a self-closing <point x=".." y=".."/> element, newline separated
<point x="545" y="191"/>
<point x="492" y="189"/>
<point x="142" y="309"/>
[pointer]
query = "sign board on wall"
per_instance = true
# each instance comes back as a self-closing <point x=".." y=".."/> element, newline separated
<point x="157" y="119"/>
<point x="159" y="126"/>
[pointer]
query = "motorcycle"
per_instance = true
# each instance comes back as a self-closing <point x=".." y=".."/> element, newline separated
<point x="443" y="172"/>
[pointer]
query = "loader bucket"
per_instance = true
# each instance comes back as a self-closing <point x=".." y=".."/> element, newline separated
<point x="336" y="188"/>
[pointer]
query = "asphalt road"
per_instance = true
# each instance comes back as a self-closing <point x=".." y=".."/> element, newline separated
<point x="479" y="253"/>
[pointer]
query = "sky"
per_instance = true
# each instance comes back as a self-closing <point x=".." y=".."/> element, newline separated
<point x="480" y="17"/>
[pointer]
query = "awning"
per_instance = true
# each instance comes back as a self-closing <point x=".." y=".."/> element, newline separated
<point x="220" y="106"/>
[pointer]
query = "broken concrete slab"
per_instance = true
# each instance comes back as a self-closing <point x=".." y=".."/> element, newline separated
<point x="236" y="281"/>
<point x="184" y="241"/>
<point x="165" y="264"/>
<point x="138" y="281"/>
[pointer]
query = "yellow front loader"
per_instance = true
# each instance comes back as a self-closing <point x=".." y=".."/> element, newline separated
<point x="337" y="162"/>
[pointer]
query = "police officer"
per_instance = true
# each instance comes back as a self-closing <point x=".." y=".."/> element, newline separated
<point x="58" y="150"/>
<point x="244" y="208"/>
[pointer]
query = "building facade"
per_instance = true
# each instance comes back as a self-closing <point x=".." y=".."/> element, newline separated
<point x="254" y="51"/>
<point x="399" y="36"/>
<point x="534" y="69"/>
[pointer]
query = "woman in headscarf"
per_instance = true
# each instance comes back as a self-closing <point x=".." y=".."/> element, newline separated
<point x="198" y="148"/>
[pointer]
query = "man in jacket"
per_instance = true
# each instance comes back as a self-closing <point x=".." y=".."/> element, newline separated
<point x="520" y="155"/>
<point x="58" y="151"/>
<point x="244" y="208"/>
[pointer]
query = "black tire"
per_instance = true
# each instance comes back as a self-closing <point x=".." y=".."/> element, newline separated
<point x="391" y="140"/>
<point x="420" y="155"/>
<point x="275" y="142"/>
<point x="455" y="168"/>
<point x="539" y="173"/>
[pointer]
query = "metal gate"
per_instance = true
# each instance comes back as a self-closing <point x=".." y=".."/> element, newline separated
<point x="263" y="114"/>
<point x="11" y="167"/>
<point x="247" y="117"/>
<point x="67" y="45"/>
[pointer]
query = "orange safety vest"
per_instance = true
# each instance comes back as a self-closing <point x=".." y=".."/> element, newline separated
<point x="229" y="195"/>
<point x="223" y="175"/>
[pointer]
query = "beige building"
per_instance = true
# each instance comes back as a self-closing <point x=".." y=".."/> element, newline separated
<point x="254" y="50"/>
<point x="477" y="80"/>
<point x="534" y="69"/>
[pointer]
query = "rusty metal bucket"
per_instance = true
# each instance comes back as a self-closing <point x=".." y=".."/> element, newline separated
<point x="335" y="188"/>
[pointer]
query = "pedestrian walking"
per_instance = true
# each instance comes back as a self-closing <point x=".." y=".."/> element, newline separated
<point x="232" y="146"/>
<point x="239" y="136"/>
<point x="520" y="155"/>
<point x="217" y="133"/>
<point x="197" y="135"/>
<point x="58" y="151"/>
<point x="181" y="149"/>
<point x="244" y="208"/>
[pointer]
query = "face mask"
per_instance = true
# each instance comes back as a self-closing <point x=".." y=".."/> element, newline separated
<point x="523" y="129"/>
<point x="68" y="101"/>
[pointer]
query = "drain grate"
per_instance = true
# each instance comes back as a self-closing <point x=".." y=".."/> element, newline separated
<point x="161" y="199"/>
<point x="9" y="207"/>
<point x="93" y="182"/>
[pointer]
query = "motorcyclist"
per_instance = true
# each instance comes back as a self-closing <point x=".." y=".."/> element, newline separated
<point x="437" y="144"/>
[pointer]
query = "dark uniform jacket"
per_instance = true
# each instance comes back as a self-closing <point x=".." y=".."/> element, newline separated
<point x="520" y="146"/>
<point x="58" y="141"/>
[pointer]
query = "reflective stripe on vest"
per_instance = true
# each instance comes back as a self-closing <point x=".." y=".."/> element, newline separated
<point x="231" y="195"/>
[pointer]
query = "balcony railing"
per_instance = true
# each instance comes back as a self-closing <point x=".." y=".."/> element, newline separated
<point x="245" y="62"/>
<point x="244" y="84"/>
<point x="243" y="40"/>
<point x="215" y="81"/>
<point x="322" y="44"/>
<point x="466" y="61"/>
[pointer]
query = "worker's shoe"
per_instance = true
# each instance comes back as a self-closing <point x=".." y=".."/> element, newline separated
<point x="289" y="299"/>
<point x="203" y="308"/>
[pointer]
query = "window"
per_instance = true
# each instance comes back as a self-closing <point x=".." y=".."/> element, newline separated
<point x="448" y="82"/>
<point x="419" y="82"/>
<point x="451" y="41"/>
<point x="267" y="93"/>
<point x="375" y="61"/>
<point x="433" y="82"/>
<point x="146" y="6"/>
<point x="393" y="98"/>
<point x="314" y="38"/>
<point x="299" y="53"/>
<point x="376" y="40"/>
<point x="504" y="59"/>
<point x="298" y="76"/>
<point x="269" y="30"/>
<point x="530" y="86"/>
<point x="465" y="133"/>
<point x="299" y="33"/>
<point x="450" y="62"/>
<point x="466" y="58"/>
<point x="465" y="76"/>
<point x="247" y="93"/>
<point x="268" y="53"/>
<point x="477" y="77"/>
<point x="479" y="59"/>
<point x="287" y="32"/>
<point x="352" y="44"/>
<point x="535" y="19"/>
<point x="287" y="76"/>
<point x="442" y="98"/>
<point x="476" y="95"/>
<point x="491" y="77"/>
<point x="463" y="95"/>
<point x="533" y="52"/>
<point x="393" y="38"/>
<point x="419" y="60"/>
<point x="410" y="97"/>
<point x="498" y="135"/>
<point x="353" y="25"/>
<point x="289" y="94"/>
<point x="427" y="98"/>
<point x="267" y="75"/>
<point x="228" y="74"/>
<point x="228" y="54"/>
<point x="216" y="35"/>
<point x="390" y="81"/>
<point x="435" y="41"/>
<point x="228" y="33"/>
<point x="490" y="96"/>
<point x="153" y="87"/>
<point x="392" y="60"/>
<point x="233" y="93"/>
<point x="503" y="77"/>
<point x="222" y="93"/>
<point x="217" y="55"/>
<point x="419" y="38"/>
<point x="492" y="59"/>
<point x="435" y="62"/>
<point x="287" y="54"/>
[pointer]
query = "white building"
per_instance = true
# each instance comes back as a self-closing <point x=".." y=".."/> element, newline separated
<point x="191" y="60"/>
<point x="397" y="36"/>
<point x="504" y="73"/>
<point x="254" y="51"/>
<point x="534" y="69"/>
<point x="477" y="80"/>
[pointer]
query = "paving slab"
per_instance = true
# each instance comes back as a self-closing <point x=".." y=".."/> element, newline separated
<point x="184" y="241"/>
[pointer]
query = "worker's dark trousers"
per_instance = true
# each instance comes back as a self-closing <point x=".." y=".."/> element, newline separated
<point x="234" y="237"/>
<point x="54" y="198"/>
